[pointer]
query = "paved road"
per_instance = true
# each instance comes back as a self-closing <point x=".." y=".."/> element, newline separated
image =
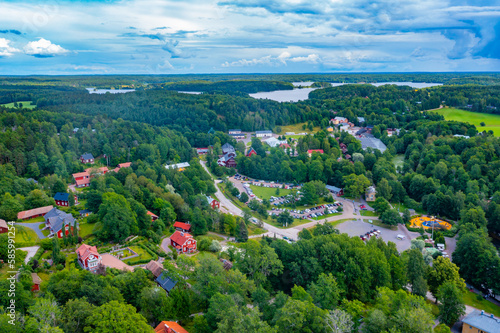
<point x="31" y="252"/>
<point x="164" y="245"/>
<point x="34" y="226"/>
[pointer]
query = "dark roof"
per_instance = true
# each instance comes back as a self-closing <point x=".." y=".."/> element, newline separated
<point x="32" y="180"/>
<point x="85" y="211"/>
<point x="56" y="218"/>
<point x="87" y="156"/>
<point x="166" y="282"/>
<point x="227" y="148"/>
<point x="61" y="196"/>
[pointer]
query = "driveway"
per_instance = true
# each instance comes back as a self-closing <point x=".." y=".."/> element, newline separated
<point x="34" y="226"/>
<point x="164" y="245"/>
<point x="31" y="252"/>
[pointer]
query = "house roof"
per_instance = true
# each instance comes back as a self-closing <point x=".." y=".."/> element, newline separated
<point x="3" y="224"/>
<point x="84" y="211"/>
<point x="81" y="174"/>
<point x="251" y="150"/>
<point x="164" y="325"/>
<point x="371" y="189"/>
<point x="285" y="145"/>
<point x="32" y="180"/>
<point x="107" y="260"/>
<point x="273" y="142"/>
<point x="340" y="118"/>
<point x="97" y="170"/>
<point x="227" y="148"/>
<point x="182" y="225"/>
<point x="82" y="181"/>
<point x="33" y="212"/>
<point x="180" y="237"/>
<point x="372" y="142"/>
<point x="36" y="279"/>
<point x="124" y="165"/>
<point x="87" y="156"/>
<point x="61" y="196"/>
<point x="85" y="250"/>
<point x="165" y="281"/>
<point x="483" y="321"/>
<point x="57" y="218"/>
<point x="333" y="188"/>
<point x="151" y="214"/>
<point x="263" y="132"/>
<point x="234" y="130"/>
<point x="177" y="166"/>
<point x="155" y="267"/>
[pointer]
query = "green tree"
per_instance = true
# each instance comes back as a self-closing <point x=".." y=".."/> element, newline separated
<point x="244" y="197"/>
<point x="416" y="272"/>
<point x="37" y="198"/>
<point x="242" y="320"/>
<point x="355" y="185"/>
<point x="75" y="314"/>
<point x="475" y="216"/>
<point x="47" y="314"/>
<point x="391" y="217"/>
<point x="451" y="304"/>
<point x="381" y="205"/>
<point x="305" y="234"/>
<point x="242" y="232"/>
<point x="9" y="208"/>
<point x="114" y="316"/>
<point x="258" y="261"/>
<point x="325" y="291"/>
<point x="384" y="190"/>
<point x="339" y="321"/>
<point x="442" y="271"/>
<point x="285" y="219"/>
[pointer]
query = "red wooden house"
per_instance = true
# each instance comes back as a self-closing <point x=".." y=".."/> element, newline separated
<point x="87" y="158"/>
<point x="36" y="282"/>
<point x="169" y="327"/>
<point x="3" y="226"/>
<point x="32" y="213"/>
<point x="183" y="242"/>
<point x="57" y="221"/>
<point x="251" y="152"/>
<point x="181" y="226"/>
<point x="88" y="257"/>
<point x="213" y="203"/>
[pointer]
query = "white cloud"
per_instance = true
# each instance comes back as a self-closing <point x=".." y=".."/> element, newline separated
<point x="312" y="59"/>
<point x="43" y="48"/>
<point x="5" y="49"/>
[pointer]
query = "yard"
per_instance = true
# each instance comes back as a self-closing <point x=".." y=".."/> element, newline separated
<point x="470" y="299"/>
<point x="266" y="192"/>
<point x="143" y="254"/>
<point x="45" y="232"/>
<point x="26" y="105"/>
<point x="367" y="213"/>
<point x="86" y="229"/>
<point x="36" y="219"/>
<point x="297" y="128"/>
<point x="25" y="236"/>
<point x="492" y="121"/>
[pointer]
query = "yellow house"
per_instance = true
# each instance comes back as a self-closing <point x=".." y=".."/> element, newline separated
<point x="480" y="322"/>
<point x="370" y="194"/>
<point x="330" y="129"/>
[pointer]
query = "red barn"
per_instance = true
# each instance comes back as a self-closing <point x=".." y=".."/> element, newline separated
<point x="183" y="242"/>
<point x="36" y="282"/>
<point x="32" y="213"/>
<point x="181" y="226"/>
<point x="213" y="203"/>
<point x="3" y="226"/>
<point x="88" y="257"/>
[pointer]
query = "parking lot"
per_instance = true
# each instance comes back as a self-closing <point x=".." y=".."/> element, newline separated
<point x="355" y="228"/>
<point x="310" y="212"/>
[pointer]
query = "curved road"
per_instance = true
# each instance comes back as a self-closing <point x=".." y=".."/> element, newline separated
<point x="35" y="227"/>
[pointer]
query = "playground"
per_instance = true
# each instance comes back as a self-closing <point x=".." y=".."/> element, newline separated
<point x="428" y="222"/>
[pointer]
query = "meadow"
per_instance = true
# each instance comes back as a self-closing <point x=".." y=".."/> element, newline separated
<point x="26" y="105"/>
<point x="492" y="121"/>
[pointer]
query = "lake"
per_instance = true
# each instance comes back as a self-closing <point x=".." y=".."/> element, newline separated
<point x="111" y="91"/>
<point x="296" y="95"/>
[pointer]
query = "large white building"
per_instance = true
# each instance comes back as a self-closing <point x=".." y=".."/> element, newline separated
<point x="261" y="134"/>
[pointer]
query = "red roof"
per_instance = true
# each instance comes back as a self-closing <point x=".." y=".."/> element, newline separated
<point x="284" y="145"/>
<point x="152" y="215"/>
<point x="80" y="174"/>
<point x="124" y="165"/>
<point x="165" y="325"/>
<point x="310" y="151"/>
<point x="101" y="169"/>
<point x="85" y="250"/>
<point x="182" y="225"/>
<point x="82" y="181"/>
<point x="180" y="237"/>
<point x="33" y="212"/>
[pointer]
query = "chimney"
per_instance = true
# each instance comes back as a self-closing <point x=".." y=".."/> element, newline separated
<point x="182" y="234"/>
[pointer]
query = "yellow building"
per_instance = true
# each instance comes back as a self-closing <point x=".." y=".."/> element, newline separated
<point x="480" y="322"/>
<point x="370" y="194"/>
<point x="330" y="129"/>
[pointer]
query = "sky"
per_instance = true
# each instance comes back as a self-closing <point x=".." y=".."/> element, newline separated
<point x="248" y="36"/>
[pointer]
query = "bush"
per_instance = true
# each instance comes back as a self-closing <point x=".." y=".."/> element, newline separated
<point x="204" y="244"/>
<point x="215" y="246"/>
<point x="60" y="267"/>
<point x="47" y="244"/>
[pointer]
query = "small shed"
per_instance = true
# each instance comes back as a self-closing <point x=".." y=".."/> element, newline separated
<point x="155" y="267"/>
<point x="36" y="282"/>
<point x="166" y="282"/>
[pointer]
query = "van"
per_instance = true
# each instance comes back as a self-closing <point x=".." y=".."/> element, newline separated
<point x="401" y="237"/>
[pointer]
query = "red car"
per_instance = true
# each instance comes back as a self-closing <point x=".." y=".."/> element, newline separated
<point x="362" y="206"/>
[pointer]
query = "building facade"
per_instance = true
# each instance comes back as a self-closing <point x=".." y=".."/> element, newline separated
<point x="88" y="257"/>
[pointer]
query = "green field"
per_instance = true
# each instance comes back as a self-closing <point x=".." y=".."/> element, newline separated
<point x="492" y="121"/>
<point x="267" y="192"/>
<point x="26" y="105"/>
<point x="297" y="128"/>
<point x="368" y="213"/>
<point x="45" y="232"/>
<point x="25" y="236"/>
<point x="86" y="229"/>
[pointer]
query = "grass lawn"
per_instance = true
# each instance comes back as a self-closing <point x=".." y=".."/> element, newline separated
<point x="36" y="219"/>
<point x="266" y="192"/>
<point x="492" y="121"/>
<point x="487" y="306"/>
<point x="211" y="236"/>
<point x="326" y="216"/>
<point x="45" y="232"/>
<point x="26" y="104"/>
<point x="297" y="128"/>
<point x="398" y="160"/>
<point x="254" y="230"/>
<point x="86" y="229"/>
<point x="402" y="207"/>
<point x="46" y="255"/>
<point x="25" y="236"/>
<point x="367" y="213"/>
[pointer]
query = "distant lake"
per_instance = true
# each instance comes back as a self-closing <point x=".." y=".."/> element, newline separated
<point x="111" y="91"/>
<point x="296" y="95"/>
